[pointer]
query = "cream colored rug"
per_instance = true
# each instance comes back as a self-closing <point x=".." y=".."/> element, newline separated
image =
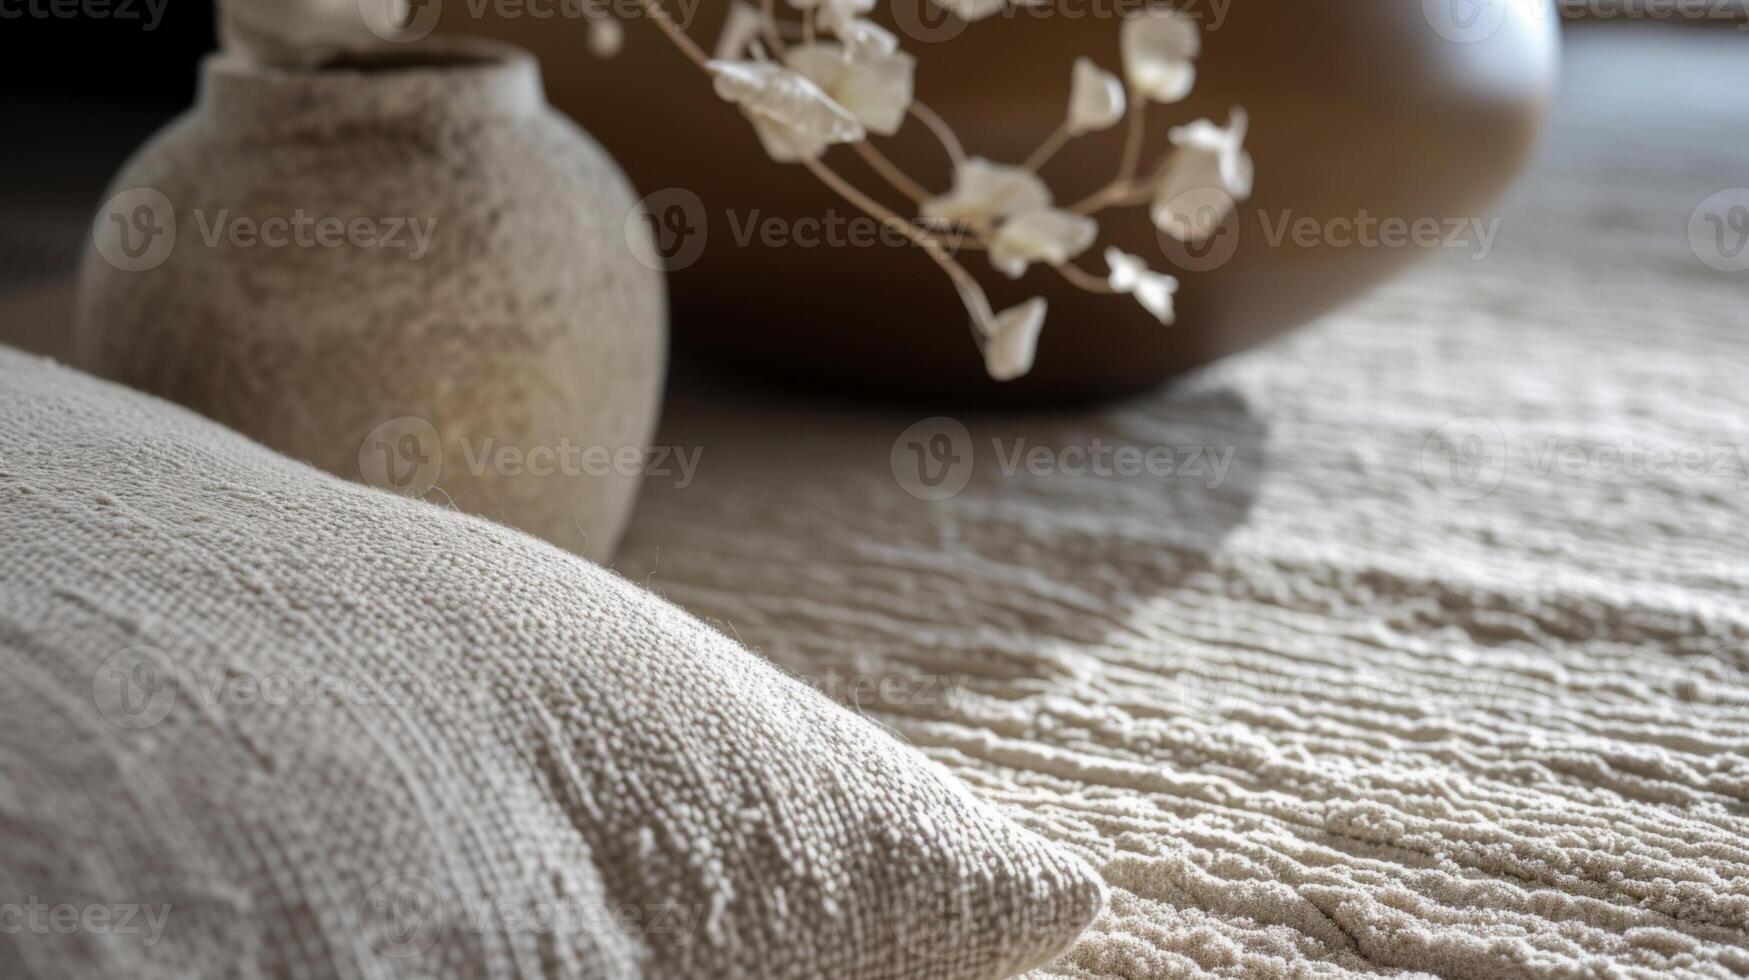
<point x="1431" y="655"/>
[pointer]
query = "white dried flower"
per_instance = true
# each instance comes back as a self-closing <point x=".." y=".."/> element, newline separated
<point x="1011" y="343"/>
<point x="1204" y="180"/>
<point x="1160" y="46"/>
<point x="606" y="36"/>
<point x="741" y="27"/>
<point x="1096" y="99"/>
<point x="1153" y="290"/>
<point x="1047" y="235"/>
<point x="970" y="10"/>
<point x="835" y="8"/>
<point x="794" y="119"/>
<point x="985" y="191"/>
<point x="1225" y="145"/>
<point x="863" y="39"/>
<point x="876" y="91"/>
<point x="849" y="79"/>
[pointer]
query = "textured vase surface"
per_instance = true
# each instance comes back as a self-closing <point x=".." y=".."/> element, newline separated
<point x="405" y="269"/>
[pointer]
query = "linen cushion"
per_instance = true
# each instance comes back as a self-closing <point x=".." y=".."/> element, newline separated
<point x="286" y="725"/>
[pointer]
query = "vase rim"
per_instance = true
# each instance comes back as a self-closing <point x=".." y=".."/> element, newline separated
<point x="442" y="75"/>
<point x="442" y="53"/>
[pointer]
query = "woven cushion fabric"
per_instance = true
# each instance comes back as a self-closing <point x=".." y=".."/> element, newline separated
<point x="260" y="721"/>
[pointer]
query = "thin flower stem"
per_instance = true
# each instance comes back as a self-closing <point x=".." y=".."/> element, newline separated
<point x="1048" y="148"/>
<point x="1114" y="195"/>
<point x="768" y="15"/>
<point x="653" y="9"/>
<point x="970" y="291"/>
<point x="1124" y="187"/>
<point x="808" y="26"/>
<point x="1080" y="277"/>
<point x="942" y="131"/>
<point x="901" y="181"/>
<point x="1132" y="141"/>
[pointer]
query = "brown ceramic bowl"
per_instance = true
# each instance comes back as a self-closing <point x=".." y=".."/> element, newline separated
<point x="1363" y="108"/>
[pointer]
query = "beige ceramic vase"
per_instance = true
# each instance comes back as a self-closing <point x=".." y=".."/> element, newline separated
<point x="402" y="268"/>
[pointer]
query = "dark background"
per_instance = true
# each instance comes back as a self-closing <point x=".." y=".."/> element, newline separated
<point x="77" y="95"/>
<point x="107" y="57"/>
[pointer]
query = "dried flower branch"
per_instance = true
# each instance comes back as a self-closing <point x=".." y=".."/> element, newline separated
<point x="827" y="75"/>
<point x="1003" y="209"/>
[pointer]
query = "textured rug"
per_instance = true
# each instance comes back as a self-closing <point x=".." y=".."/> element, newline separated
<point x="1415" y="644"/>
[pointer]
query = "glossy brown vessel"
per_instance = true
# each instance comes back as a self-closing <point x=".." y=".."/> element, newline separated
<point x="1361" y="110"/>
